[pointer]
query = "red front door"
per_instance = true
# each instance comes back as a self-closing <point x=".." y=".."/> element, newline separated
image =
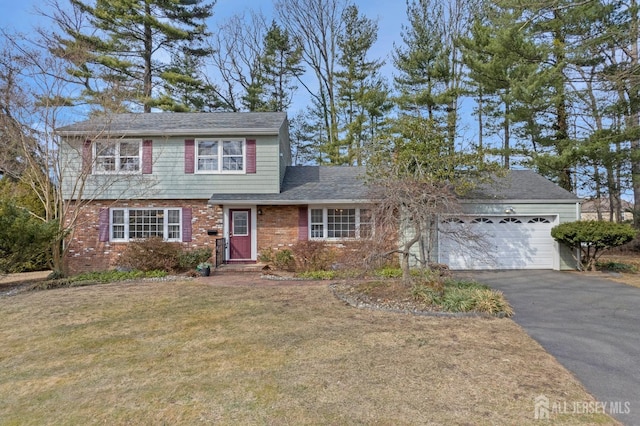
<point x="240" y="234"/>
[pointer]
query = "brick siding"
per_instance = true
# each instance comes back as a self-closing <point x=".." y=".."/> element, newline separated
<point x="277" y="227"/>
<point x="87" y="253"/>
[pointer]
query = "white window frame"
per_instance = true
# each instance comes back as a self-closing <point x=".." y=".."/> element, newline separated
<point x="116" y="144"/>
<point x="221" y="156"/>
<point x="165" y="223"/>
<point x="325" y="222"/>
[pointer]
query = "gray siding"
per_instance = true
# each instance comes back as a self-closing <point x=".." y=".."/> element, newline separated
<point x="169" y="180"/>
<point x="565" y="212"/>
<point x="285" y="149"/>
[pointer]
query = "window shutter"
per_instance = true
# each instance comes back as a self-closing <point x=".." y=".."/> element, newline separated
<point x="86" y="156"/>
<point x="147" y="157"/>
<point x="103" y="220"/>
<point x="186" y="224"/>
<point x="189" y="155"/>
<point x="303" y="223"/>
<point x="251" y="156"/>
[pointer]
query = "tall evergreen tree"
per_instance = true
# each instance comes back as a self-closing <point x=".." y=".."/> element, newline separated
<point x="280" y="62"/>
<point x="430" y="63"/>
<point x="363" y="95"/>
<point x="498" y="57"/>
<point x="119" y="54"/>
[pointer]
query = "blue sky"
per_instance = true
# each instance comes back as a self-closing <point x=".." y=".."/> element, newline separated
<point x="21" y="15"/>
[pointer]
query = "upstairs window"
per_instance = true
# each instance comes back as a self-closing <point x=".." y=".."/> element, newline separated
<point x="123" y="156"/>
<point x="220" y="156"/>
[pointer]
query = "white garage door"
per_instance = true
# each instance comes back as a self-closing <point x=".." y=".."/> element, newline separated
<point x="510" y="242"/>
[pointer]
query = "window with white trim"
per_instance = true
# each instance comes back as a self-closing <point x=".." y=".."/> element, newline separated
<point x="131" y="224"/>
<point x="220" y="156"/>
<point x="122" y="156"/>
<point x="340" y="223"/>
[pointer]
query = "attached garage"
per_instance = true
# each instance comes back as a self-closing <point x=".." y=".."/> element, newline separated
<point x="502" y="242"/>
<point x="506" y="225"/>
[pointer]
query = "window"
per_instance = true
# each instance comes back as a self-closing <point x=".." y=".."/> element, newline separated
<point x="539" y="220"/>
<point x="453" y="220"/>
<point x="340" y="223"/>
<point x="129" y="224"/>
<point x="510" y="220"/>
<point x="123" y="156"/>
<point x="481" y="220"/>
<point x="220" y="156"/>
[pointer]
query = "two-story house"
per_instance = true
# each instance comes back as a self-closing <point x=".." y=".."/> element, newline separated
<point x="205" y="178"/>
<point x="196" y="178"/>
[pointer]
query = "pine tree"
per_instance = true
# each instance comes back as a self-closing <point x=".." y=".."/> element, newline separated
<point x="280" y="62"/>
<point x="363" y="95"/>
<point x="119" y="56"/>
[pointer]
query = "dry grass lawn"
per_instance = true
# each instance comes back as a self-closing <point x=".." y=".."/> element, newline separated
<point x="193" y="353"/>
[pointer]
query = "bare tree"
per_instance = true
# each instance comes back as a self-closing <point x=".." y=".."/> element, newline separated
<point x="236" y="48"/>
<point x="316" y="25"/>
<point x="33" y="89"/>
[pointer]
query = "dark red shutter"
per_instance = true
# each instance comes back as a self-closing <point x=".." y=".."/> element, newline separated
<point x="103" y="220"/>
<point x="87" y="156"/>
<point x="303" y="223"/>
<point x="186" y="224"/>
<point x="251" y="156"/>
<point x="147" y="157"/>
<point x="189" y="155"/>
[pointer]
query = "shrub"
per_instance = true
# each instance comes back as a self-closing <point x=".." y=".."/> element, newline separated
<point x="462" y="296"/>
<point x="284" y="260"/>
<point x="313" y="256"/>
<point x="318" y="275"/>
<point x="388" y="273"/>
<point x="426" y="294"/>
<point x="25" y="242"/>
<point x="266" y="255"/>
<point x="151" y="254"/>
<point x="189" y="259"/>
<point x="592" y="237"/>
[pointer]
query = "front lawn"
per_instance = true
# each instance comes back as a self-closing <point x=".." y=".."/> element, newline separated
<point x="192" y="352"/>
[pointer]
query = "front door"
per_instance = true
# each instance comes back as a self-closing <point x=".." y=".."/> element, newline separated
<point x="240" y="234"/>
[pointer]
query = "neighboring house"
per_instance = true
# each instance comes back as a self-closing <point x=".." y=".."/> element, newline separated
<point x="226" y="180"/>
<point x="600" y="209"/>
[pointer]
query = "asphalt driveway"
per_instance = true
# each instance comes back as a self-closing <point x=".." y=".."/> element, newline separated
<point x="590" y="324"/>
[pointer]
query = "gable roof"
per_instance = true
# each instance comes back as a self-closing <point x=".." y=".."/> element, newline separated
<point x="521" y="185"/>
<point x="309" y="184"/>
<point x="179" y="123"/>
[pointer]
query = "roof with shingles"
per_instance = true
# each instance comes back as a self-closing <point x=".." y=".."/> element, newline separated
<point x="521" y="185"/>
<point x="308" y="184"/>
<point x="178" y="123"/>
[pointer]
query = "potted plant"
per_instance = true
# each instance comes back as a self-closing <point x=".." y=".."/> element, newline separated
<point x="204" y="268"/>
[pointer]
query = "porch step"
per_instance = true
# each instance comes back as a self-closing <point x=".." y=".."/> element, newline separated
<point x="233" y="268"/>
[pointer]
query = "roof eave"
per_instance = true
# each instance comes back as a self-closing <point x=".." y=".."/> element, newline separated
<point x="519" y="201"/>
<point x="272" y="202"/>
<point x="173" y="132"/>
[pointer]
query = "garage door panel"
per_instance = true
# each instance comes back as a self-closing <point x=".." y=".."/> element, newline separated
<point x="504" y="245"/>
